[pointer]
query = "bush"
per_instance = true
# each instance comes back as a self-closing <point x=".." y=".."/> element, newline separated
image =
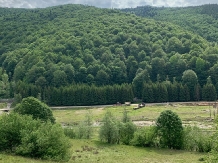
<point x="22" y="135"/>
<point x="35" y="108"/>
<point x="10" y="130"/>
<point x="127" y="132"/>
<point x="144" y="137"/>
<point x="109" y="131"/>
<point x="197" y="140"/>
<point x="69" y="132"/>
<point x="84" y="130"/>
<point x="47" y="142"/>
<point x="126" y="129"/>
<point x="169" y="130"/>
<point x="212" y="155"/>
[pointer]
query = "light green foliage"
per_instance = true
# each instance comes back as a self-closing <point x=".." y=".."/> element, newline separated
<point x="109" y="131"/>
<point x="169" y="130"/>
<point x="126" y="118"/>
<point x="144" y="137"/>
<point x="35" y="108"/>
<point x="70" y="132"/>
<point x="10" y="130"/>
<point x="47" y="142"/>
<point x="195" y="139"/>
<point x="22" y="135"/>
<point x="84" y="129"/>
<point x="212" y="156"/>
<point x="127" y="129"/>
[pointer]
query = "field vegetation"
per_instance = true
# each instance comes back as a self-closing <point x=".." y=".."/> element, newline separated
<point x="201" y="115"/>
<point x="78" y="55"/>
<point x="85" y="151"/>
<point x="91" y="149"/>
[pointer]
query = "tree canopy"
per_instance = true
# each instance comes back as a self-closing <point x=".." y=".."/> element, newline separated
<point x="56" y="48"/>
<point x="35" y="108"/>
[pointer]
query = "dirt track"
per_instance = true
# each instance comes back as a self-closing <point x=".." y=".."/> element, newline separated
<point x="195" y="103"/>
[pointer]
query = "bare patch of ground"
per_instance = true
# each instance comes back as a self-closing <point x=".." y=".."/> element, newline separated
<point x="152" y="123"/>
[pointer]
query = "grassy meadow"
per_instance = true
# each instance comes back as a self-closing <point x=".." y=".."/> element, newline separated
<point x="200" y="115"/>
<point x="93" y="151"/>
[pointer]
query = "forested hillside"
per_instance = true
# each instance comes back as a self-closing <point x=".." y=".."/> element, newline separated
<point x="202" y="20"/>
<point x="64" y="49"/>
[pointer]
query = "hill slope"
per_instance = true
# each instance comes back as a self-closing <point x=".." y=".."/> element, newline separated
<point x="68" y="44"/>
<point x="202" y="20"/>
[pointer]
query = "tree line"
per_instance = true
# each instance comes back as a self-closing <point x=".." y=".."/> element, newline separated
<point x="81" y="94"/>
<point x="77" y="94"/>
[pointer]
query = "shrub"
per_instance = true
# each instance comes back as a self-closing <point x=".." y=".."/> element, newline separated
<point x="84" y="129"/>
<point x="144" y="137"/>
<point x="35" y="108"/>
<point x="169" y="130"/>
<point x="22" y="135"/>
<point x="69" y="132"/>
<point x="212" y="155"/>
<point x="10" y="130"/>
<point x="109" y="131"/>
<point x="197" y="140"/>
<point x="126" y="129"/>
<point x="47" y="142"/>
<point x="127" y="132"/>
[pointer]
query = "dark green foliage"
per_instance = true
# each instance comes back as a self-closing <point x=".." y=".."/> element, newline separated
<point x="141" y="77"/>
<point x="49" y="51"/>
<point x="196" y="19"/>
<point x="148" y="94"/>
<point x="22" y="135"/>
<point x="197" y="92"/>
<point x="169" y="130"/>
<point x="57" y="47"/>
<point x="82" y="94"/>
<point x="162" y="94"/>
<point x="35" y="108"/>
<point x="209" y="92"/>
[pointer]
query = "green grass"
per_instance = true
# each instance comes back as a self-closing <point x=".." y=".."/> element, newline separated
<point x="188" y="114"/>
<point x="92" y="151"/>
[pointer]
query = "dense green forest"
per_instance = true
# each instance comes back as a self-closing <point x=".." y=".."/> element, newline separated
<point x="202" y="20"/>
<point x="69" y="47"/>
